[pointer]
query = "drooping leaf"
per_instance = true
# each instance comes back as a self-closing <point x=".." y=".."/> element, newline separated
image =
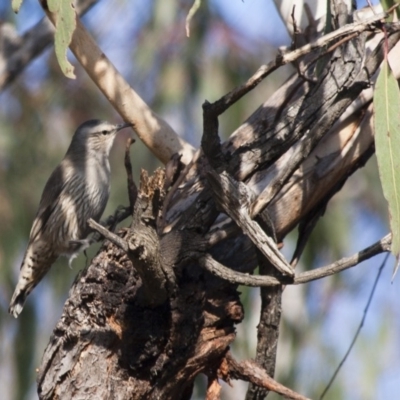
<point x="16" y="5"/>
<point x="387" y="145"/>
<point x="65" y="26"/>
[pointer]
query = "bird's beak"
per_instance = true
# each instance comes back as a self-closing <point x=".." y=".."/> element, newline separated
<point x="123" y="125"/>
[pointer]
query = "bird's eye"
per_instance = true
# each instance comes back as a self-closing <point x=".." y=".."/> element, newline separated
<point x="104" y="132"/>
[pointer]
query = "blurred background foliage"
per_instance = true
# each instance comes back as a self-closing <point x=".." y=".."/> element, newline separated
<point x="228" y="41"/>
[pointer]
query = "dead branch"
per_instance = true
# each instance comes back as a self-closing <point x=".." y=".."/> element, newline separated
<point x="240" y="278"/>
<point x="267" y="328"/>
<point x="112" y="237"/>
<point x="251" y="372"/>
<point x="381" y="246"/>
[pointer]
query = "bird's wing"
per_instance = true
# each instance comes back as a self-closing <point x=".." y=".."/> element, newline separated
<point x="49" y="201"/>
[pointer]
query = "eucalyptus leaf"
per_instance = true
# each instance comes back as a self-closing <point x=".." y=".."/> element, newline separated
<point x="387" y="145"/>
<point x="65" y="26"/>
<point x="16" y="5"/>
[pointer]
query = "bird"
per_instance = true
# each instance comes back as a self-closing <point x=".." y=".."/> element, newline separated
<point x="78" y="189"/>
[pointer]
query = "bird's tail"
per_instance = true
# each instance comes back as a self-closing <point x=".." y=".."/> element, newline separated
<point x="33" y="268"/>
<point x="18" y="301"/>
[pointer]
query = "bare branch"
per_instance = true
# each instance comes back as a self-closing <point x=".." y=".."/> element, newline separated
<point x="239" y="278"/>
<point x="267" y="328"/>
<point x="112" y="237"/>
<point x="112" y="221"/>
<point x="347" y="262"/>
<point x="155" y="133"/>
<point x="251" y="372"/>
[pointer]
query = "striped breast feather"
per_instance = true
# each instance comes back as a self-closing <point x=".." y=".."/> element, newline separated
<point x="58" y="194"/>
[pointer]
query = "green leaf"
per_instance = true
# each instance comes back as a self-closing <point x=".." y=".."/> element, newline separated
<point x="16" y="5"/>
<point x="65" y="26"/>
<point x="387" y="145"/>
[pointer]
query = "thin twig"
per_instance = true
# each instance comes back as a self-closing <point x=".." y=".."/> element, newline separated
<point x="112" y="237"/>
<point x="251" y="372"/>
<point x="295" y="28"/>
<point x="358" y="329"/>
<point x="132" y="189"/>
<point x="119" y="215"/>
<point x="207" y="262"/>
<point x="196" y="5"/>
<point x="306" y="227"/>
<point x="381" y="246"/>
<point x="340" y="42"/>
<point x="390" y="9"/>
<point x="239" y="278"/>
<point x="112" y="221"/>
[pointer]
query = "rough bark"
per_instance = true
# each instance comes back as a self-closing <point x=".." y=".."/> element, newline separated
<point x="137" y="346"/>
<point x="267" y="329"/>
<point x="117" y="340"/>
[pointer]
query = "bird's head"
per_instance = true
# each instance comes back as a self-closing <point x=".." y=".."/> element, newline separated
<point x="95" y="136"/>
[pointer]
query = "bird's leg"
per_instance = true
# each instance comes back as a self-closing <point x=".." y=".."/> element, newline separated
<point x="76" y="246"/>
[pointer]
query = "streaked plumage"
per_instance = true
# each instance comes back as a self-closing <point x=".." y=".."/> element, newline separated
<point x="77" y="190"/>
